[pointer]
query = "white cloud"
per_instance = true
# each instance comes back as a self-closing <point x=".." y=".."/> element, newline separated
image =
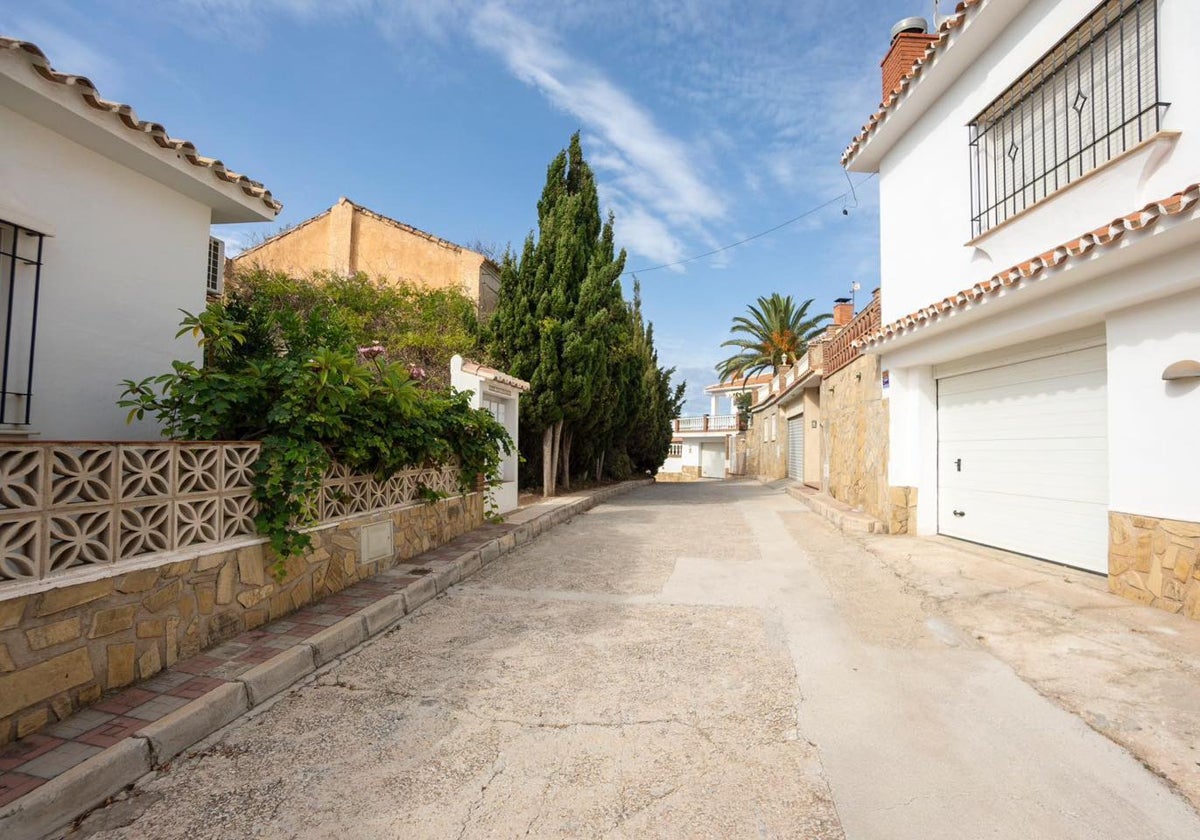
<point x="655" y="174"/>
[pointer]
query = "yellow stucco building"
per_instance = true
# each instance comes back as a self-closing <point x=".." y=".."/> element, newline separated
<point x="348" y="238"/>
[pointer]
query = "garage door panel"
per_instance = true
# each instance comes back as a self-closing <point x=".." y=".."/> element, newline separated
<point x="712" y="460"/>
<point x="1045" y="375"/>
<point x="1020" y="525"/>
<point x="796" y="448"/>
<point x="1022" y="456"/>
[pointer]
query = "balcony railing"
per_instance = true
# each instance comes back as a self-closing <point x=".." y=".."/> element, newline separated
<point x="711" y="423"/>
<point x="841" y="349"/>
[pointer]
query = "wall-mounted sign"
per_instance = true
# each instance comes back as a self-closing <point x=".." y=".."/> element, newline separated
<point x="885" y="378"/>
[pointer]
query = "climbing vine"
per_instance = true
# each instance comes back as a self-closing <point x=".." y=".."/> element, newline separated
<point x="310" y="404"/>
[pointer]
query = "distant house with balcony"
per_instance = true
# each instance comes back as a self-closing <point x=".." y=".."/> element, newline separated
<point x="1039" y="336"/>
<point x="707" y="445"/>
<point x="104" y="237"/>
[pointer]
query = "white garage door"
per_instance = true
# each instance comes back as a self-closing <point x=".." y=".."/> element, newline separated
<point x="796" y="448"/>
<point x="1023" y="458"/>
<point x="712" y="460"/>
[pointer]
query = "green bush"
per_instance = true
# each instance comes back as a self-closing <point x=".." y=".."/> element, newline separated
<point x="294" y="384"/>
<point x="419" y="327"/>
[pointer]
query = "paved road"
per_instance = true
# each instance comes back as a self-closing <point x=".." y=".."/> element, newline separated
<point x="704" y="660"/>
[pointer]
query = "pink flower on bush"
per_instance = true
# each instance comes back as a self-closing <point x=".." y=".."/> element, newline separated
<point x="417" y="372"/>
<point x="372" y="351"/>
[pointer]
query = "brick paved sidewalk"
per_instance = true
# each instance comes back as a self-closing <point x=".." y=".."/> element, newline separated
<point x="35" y="759"/>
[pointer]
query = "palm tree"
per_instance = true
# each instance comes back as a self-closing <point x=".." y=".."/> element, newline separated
<point x="776" y="327"/>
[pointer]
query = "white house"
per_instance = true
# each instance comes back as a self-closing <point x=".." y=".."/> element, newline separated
<point x="1040" y="246"/>
<point x="104" y="238"/>
<point x="500" y="394"/>
<point x="706" y="445"/>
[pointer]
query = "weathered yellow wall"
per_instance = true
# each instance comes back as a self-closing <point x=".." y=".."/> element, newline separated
<point x="347" y="239"/>
<point x="855" y="436"/>
<point x="300" y="251"/>
<point x="384" y="250"/>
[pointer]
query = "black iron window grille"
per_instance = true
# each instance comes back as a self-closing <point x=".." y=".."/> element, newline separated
<point x="20" y="283"/>
<point x="1090" y="99"/>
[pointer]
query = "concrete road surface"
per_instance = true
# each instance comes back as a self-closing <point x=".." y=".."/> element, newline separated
<point x="690" y="660"/>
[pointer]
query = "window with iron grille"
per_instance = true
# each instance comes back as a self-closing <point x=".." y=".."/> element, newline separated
<point x="20" y="280"/>
<point x="1091" y="98"/>
<point x="675" y="450"/>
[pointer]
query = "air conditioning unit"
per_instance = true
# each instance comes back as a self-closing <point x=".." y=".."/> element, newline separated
<point x="216" y="266"/>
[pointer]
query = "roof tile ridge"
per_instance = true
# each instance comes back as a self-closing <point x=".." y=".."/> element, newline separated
<point x="90" y="94"/>
<point x="1140" y="221"/>
<point x="884" y="110"/>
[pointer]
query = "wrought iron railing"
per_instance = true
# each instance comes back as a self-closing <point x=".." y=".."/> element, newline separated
<point x="1091" y="98"/>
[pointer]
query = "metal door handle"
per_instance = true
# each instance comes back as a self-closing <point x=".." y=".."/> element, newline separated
<point x="958" y="464"/>
<point x="960" y="513"/>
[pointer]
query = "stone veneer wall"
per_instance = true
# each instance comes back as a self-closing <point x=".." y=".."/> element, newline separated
<point x="854" y="421"/>
<point x="903" y="504"/>
<point x="1154" y="561"/>
<point x="767" y="460"/>
<point x="62" y="648"/>
<point x="687" y="474"/>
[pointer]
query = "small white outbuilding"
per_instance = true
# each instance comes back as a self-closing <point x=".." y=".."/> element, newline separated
<point x="500" y="394"/>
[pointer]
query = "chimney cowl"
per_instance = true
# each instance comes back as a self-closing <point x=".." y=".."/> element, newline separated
<point x="913" y="25"/>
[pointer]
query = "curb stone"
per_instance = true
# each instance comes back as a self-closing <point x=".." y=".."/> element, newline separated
<point x="384" y="613"/>
<point x="174" y="733"/>
<point x="418" y="593"/>
<point x="49" y="806"/>
<point x="54" y="805"/>
<point x="337" y="639"/>
<point x="277" y="673"/>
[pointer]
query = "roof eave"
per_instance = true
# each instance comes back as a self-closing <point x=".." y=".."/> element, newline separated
<point x="72" y="107"/>
<point x="963" y="38"/>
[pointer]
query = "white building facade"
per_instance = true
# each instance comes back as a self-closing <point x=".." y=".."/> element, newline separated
<point x="1040" y="258"/>
<point x="104" y="237"/>
<point x="500" y="394"/>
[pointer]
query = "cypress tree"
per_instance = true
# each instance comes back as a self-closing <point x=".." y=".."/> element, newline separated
<point x="561" y="323"/>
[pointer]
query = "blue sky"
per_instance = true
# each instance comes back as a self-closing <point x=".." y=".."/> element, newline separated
<point x="707" y="121"/>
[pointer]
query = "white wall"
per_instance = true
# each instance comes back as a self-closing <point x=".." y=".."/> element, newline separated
<point x="506" y="496"/>
<point x="925" y="199"/>
<point x="127" y="254"/>
<point x="1154" y="425"/>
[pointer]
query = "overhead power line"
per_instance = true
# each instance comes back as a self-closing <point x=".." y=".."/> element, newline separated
<point x="852" y="192"/>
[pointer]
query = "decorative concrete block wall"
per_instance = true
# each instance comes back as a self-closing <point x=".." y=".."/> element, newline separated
<point x="1154" y="561"/>
<point x="116" y="561"/>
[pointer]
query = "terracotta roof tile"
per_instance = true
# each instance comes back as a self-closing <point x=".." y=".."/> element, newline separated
<point x="1137" y="222"/>
<point x="484" y="372"/>
<point x="87" y="91"/>
<point x="945" y="30"/>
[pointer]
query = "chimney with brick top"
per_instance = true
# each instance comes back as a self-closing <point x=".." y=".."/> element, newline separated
<point x="909" y="40"/>
<point x="843" y="312"/>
